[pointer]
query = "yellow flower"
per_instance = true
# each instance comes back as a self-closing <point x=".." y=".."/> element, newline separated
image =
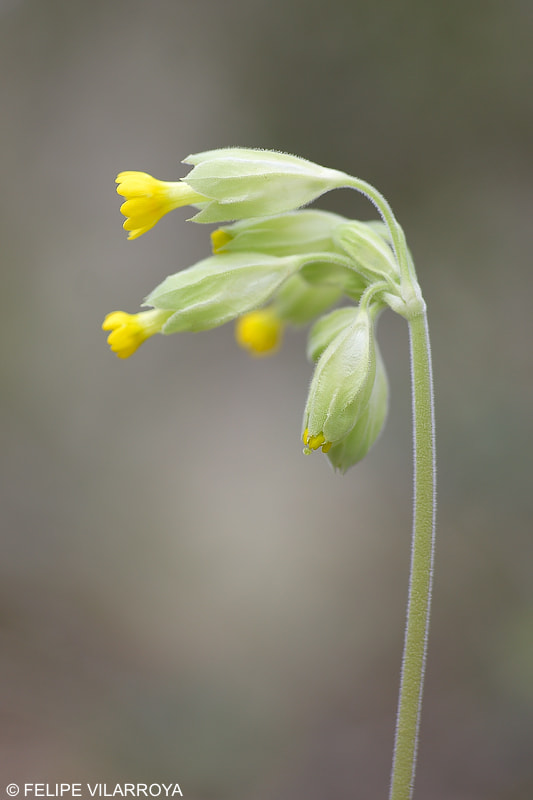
<point x="148" y="199"/>
<point x="259" y="332"/>
<point x="129" y="331"/>
<point x="314" y="442"/>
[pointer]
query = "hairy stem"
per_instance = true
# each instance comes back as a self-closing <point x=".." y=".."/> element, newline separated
<point x="423" y="538"/>
<point x="422" y="556"/>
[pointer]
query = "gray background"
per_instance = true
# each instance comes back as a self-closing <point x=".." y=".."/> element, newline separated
<point x="183" y="596"/>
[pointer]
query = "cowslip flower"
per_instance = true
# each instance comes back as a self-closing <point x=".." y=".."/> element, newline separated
<point x="276" y="264"/>
<point x="129" y="331"/>
<point x="148" y="199"/>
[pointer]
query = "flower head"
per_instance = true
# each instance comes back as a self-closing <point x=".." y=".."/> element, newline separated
<point x="129" y="331"/>
<point x="260" y="332"/>
<point x="148" y="199"/>
<point x="275" y="264"/>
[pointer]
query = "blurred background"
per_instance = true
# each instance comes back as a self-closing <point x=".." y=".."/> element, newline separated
<point x="183" y="596"/>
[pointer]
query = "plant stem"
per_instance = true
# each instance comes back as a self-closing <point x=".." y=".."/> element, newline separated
<point x="425" y="483"/>
<point x="422" y="555"/>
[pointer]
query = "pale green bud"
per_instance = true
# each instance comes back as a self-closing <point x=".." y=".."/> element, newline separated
<point x="304" y="231"/>
<point x="370" y="252"/>
<point x="327" y="328"/>
<point x="369" y="425"/>
<point x="341" y="384"/>
<point x="297" y="302"/>
<point x="242" y="182"/>
<point x="322" y="272"/>
<point x="220" y="288"/>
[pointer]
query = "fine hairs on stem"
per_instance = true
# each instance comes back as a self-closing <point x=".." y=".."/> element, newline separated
<point x="424" y="516"/>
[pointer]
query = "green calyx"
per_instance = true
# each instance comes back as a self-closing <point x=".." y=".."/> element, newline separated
<point x="243" y="182"/>
<point x="371" y="254"/>
<point x="220" y="288"/>
<point x="303" y="231"/>
<point x="342" y="381"/>
<point x="368" y="426"/>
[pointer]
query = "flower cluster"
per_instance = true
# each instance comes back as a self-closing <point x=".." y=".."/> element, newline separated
<point x="273" y="265"/>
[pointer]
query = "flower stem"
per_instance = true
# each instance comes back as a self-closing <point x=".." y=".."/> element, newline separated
<point x="425" y="483"/>
<point x="422" y="556"/>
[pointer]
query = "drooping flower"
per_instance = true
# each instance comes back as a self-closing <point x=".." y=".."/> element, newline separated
<point x="275" y="264"/>
<point x="148" y="199"/>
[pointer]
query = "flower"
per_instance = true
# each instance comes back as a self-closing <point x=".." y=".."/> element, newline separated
<point x="260" y="332"/>
<point x="148" y="199"/>
<point x="275" y="264"/>
<point x="129" y="331"/>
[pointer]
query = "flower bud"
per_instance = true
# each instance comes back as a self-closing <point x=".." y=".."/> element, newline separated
<point x="220" y="288"/>
<point x="327" y="328"/>
<point x="362" y="437"/>
<point x="341" y="384"/>
<point x="371" y="254"/>
<point x="242" y="182"/>
<point x="304" y="231"/>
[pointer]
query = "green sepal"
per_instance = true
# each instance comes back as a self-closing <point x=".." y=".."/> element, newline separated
<point x="243" y="182"/>
<point x="342" y="381"/>
<point x="371" y="253"/>
<point x="220" y="288"/>
<point x="327" y="328"/>
<point x="304" y="231"/>
<point x="366" y="431"/>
